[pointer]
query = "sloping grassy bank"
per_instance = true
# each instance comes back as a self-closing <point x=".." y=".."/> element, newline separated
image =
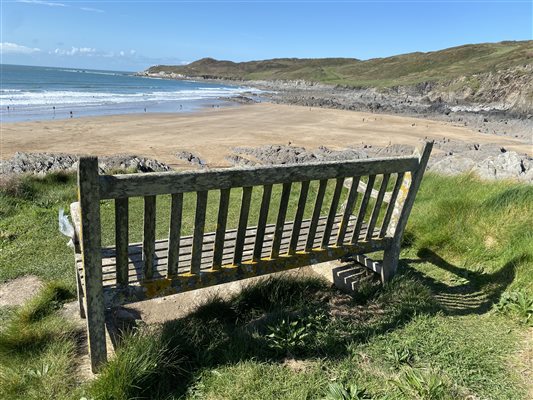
<point x="451" y="325"/>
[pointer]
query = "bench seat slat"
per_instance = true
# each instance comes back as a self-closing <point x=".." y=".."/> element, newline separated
<point x="135" y="254"/>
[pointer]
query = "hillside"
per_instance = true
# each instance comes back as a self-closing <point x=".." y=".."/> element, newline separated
<point x="401" y="70"/>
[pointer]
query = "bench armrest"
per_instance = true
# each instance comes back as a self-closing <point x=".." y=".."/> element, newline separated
<point x="75" y="214"/>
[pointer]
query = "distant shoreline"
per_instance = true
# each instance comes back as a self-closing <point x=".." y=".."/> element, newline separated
<point x="313" y="94"/>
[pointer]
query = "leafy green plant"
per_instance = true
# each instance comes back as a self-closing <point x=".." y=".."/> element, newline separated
<point x="399" y="357"/>
<point x="338" y="391"/>
<point x="289" y="336"/>
<point x="423" y="384"/>
<point x="519" y="303"/>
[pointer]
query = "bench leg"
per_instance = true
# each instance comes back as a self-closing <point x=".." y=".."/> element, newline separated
<point x="80" y="294"/>
<point x="391" y="257"/>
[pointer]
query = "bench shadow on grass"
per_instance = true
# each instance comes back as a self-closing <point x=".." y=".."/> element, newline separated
<point x="471" y="292"/>
<point x="225" y="332"/>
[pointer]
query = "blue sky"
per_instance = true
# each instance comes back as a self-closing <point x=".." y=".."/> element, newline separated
<point x="132" y="35"/>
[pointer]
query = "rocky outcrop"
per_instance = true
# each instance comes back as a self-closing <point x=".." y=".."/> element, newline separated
<point x="448" y="158"/>
<point x="41" y="163"/>
<point x="279" y="154"/>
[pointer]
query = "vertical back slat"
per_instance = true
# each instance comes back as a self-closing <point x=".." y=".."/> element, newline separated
<point x="316" y="214"/>
<point x="332" y="212"/>
<point x="392" y="203"/>
<point x="174" y="233"/>
<point x="121" y="240"/>
<point x="280" y="222"/>
<point x="350" y="203"/>
<point x="302" y="200"/>
<point x="377" y="207"/>
<point x="261" y="223"/>
<point x="362" y="208"/>
<point x="149" y="236"/>
<point x="221" y="228"/>
<point x="198" y="236"/>
<point x="243" y="223"/>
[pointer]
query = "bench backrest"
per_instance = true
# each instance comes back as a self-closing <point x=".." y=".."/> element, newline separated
<point x="390" y="209"/>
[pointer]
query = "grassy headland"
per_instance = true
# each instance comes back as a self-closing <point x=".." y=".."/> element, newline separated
<point x="454" y="322"/>
<point x="400" y="70"/>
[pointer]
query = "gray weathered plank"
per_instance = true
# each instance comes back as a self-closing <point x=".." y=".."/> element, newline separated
<point x="302" y="200"/>
<point x="316" y="214"/>
<point x="377" y="206"/>
<point x="332" y="212"/>
<point x="362" y="208"/>
<point x="113" y="186"/>
<point x="391" y="205"/>
<point x="149" y="235"/>
<point x="89" y="199"/>
<point x="243" y="223"/>
<point x="280" y="222"/>
<point x="198" y="237"/>
<point x="221" y="228"/>
<point x="174" y="233"/>
<point x="261" y="223"/>
<point x="121" y="240"/>
<point x="348" y="210"/>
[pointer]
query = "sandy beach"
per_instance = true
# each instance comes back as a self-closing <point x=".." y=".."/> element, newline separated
<point x="211" y="134"/>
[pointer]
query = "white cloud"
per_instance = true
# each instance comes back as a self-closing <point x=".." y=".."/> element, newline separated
<point x="90" y="9"/>
<point x="75" y="51"/>
<point x="43" y="3"/>
<point x="13" y="48"/>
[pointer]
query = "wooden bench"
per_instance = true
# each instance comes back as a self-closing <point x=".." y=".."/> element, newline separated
<point x="128" y="272"/>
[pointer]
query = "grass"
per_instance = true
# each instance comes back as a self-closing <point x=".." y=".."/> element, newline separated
<point x="405" y="69"/>
<point x="449" y="326"/>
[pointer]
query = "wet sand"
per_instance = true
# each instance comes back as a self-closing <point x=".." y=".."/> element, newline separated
<point x="211" y="134"/>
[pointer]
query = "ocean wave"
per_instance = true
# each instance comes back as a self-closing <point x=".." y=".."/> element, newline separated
<point x="56" y="98"/>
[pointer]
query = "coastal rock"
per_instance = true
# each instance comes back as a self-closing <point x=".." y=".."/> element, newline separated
<point x="281" y="154"/>
<point x="508" y="165"/>
<point x="190" y="158"/>
<point x="42" y="163"/>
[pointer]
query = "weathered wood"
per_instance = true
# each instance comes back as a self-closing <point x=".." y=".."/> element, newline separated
<point x="113" y="186"/>
<point x="261" y="223"/>
<point x="377" y="207"/>
<point x="174" y="233"/>
<point x="392" y="204"/>
<point x="362" y="208"/>
<point x="402" y="209"/>
<point x="149" y="235"/>
<point x="374" y="194"/>
<point x="348" y="210"/>
<point x="122" y="240"/>
<point x="198" y="237"/>
<point x="90" y="238"/>
<point x="332" y="212"/>
<point x="243" y="223"/>
<point x="75" y="214"/>
<point x="221" y="228"/>
<point x="302" y="200"/>
<point x="280" y="223"/>
<point x="316" y="214"/>
<point x="247" y="269"/>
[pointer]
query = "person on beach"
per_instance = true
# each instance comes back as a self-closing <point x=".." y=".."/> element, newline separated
<point x="71" y="114"/>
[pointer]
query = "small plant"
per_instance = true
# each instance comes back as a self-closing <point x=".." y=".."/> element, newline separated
<point x="422" y="384"/>
<point x="399" y="357"/>
<point x="338" y="391"/>
<point x="518" y="303"/>
<point x="289" y="336"/>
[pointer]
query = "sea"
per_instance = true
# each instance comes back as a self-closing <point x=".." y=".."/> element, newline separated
<point x="45" y="93"/>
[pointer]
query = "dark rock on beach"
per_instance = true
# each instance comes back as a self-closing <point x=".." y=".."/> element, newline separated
<point x="41" y="163"/>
